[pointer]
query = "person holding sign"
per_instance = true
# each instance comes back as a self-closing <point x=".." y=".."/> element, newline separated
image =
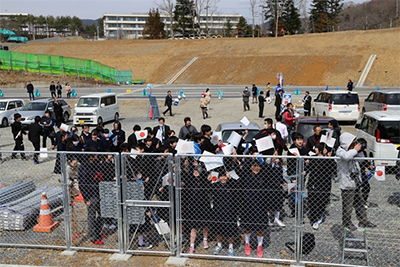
<point x="207" y="145"/>
<point x="261" y="101"/>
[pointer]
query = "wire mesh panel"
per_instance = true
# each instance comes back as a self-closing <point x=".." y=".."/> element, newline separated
<point x="148" y="200"/>
<point x="235" y="206"/>
<point x="352" y="211"/>
<point x="94" y="187"/>
<point x="31" y="200"/>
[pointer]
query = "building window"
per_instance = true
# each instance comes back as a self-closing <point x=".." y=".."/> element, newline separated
<point x="142" y="19"/>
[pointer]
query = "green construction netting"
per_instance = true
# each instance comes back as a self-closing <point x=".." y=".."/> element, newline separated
<point x="10" y="60"/>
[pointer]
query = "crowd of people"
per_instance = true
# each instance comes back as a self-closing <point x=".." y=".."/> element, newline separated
<point x="248" y="191"/>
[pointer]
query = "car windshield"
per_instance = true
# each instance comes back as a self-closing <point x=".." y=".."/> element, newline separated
<point x="3" y="105"/>
<point x="227" y="133"/>
<point x="307" y="129"/>
<point x="393" y="99"/>
<point x="88" y="102"/>
<point x="344" y="99"/>
<point x="34" y="106"/>
<point x="389" y="130"/>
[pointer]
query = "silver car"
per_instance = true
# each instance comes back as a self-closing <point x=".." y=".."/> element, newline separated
<point x="382" y="101"/>
<point x="38" y="108"/>
<point x="228" y="128"/>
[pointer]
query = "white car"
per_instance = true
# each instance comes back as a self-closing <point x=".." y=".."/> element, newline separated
<point x="96" y="108"/>
<point x="341" y="105"/>
<point x="381" y="129"/>
<point x="382" y="100"/>
<point x="7" y="109"/>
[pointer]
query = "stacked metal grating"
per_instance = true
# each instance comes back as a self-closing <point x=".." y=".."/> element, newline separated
<point x="21" y="214"/>
<point x="15" y="191"/>
<point x="109" y="201"/>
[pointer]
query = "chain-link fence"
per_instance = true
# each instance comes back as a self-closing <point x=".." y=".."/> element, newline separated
<point x="317" y="210"/>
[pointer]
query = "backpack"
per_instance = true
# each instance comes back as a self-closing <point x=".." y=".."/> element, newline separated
<point x="307" y="246"/>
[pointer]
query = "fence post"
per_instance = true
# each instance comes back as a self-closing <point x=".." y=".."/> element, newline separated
<point x="120" y="204"/>
<point x="173" y="202"/>
<point x="124" y="222"/>
<point x="299" y="210"/>
<point x="178" y="213"/>
<point x="67" y="202"/>
<point x="9" y="56"/>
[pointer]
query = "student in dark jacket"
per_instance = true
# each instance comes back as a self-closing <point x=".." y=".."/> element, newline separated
<point x="29" y="89"/>
<point x="106" y="143"/>
<point x="89" y="179"/>
<point x="168" y="103"/>
<point x="132" y="140"/>
<point x="173" y="142"/>
<point x="279" y="144"/>
<point x="58" y="111"/>
<point x="119" y="134"/>
<point x="314" y="139"/>
<point x="163" y="128"/>
<point x="207" y="145"/>
<point x="261" y="101"/>
<point x="94" y="142"/>
<point x="18" y="132"/>
<point x="52" y="89"/>
<point x="335" y="128"/>
<point x="48" y="124"/>
<point x="74" y="144"/>
<point x="35" y="130"/>
<point x="307" y="103"/>
<point x="278" y="103"/>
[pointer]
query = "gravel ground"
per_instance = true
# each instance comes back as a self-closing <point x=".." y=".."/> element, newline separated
<point x="384" y="241"/>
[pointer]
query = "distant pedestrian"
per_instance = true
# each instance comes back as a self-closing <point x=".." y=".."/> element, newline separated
<point x="35" y="130"/>
<point x="29" y="89"/>
<point x="168" y="103"/>
<point x="307" y="104"/>
<point x="350" y="85"/>
<point x="277" y="88"/>
<point x="278" y="103"/>
<point x="208" y="97"/>
<point x="254" y="90"/>
<point x="261" y="101"/>
<point x="246" y="98"/>
<point x="18" y="132"/>
<point x="58" y="111"/>
<point x="203" y="106"/>
<point x="52" y="89"/>
<point x="268" y="90"/>
<point x="68" y="90"/>
<point x="59" y="90"/>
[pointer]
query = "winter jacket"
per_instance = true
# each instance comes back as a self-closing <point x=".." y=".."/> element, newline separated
<point x="246" y="96"/>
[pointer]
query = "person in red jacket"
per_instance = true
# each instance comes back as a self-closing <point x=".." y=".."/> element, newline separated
<point x="289" y="119"/>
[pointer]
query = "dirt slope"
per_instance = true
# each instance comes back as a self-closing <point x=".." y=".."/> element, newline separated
<point x="313" y="59"/>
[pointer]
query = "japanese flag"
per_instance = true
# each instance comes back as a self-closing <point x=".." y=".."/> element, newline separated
<point x="140" y="135"/>
<point x="213" y="161"/>
<point x="294" y="151"/>
<point x="264" y="143"/>
<point x="214" y="177"/>
<point x="185" y="147"/>
<point x="166" y="180"/>
<point x="216" y="136"/>
<point x="380" y="173"/>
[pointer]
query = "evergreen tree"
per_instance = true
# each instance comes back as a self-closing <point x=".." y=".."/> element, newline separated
<point x="183" y="15"/>
<point x="291" y="18"/>
<point x="325" y="14"/>
<point x="154" y="27"/>
<point x="228" y="28"/>
<point x="242" y="27"/>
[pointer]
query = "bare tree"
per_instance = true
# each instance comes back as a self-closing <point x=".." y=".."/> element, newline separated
<point x="212" y="8"/>
<point x="168" y="7"/>
<point x="303" y="6"/>
<point x="253" y="5"/>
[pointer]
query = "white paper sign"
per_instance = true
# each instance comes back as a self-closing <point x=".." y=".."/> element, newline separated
<point x="330" y="142"/>
<point x="228" y="149"/>
<point x="214" y="177"/>
<point x="211" y="162"/>
<point x="234" y="139"/>
<point x="291" y="187"/>
<point x="294" y="151"/>
<point x="216" y="136"/>
<point x="43" y="155"/>
<point x="166" y="180"/>
<point x="245" y="121"/>
<point x="234" y="175"/>
<point x="140" y="135"/>
<point x="323" y="139"/>
<point x="310" y="153"/>
<point x="159" y="135"/>
<point x="264" y="143"/>
<point x="64" y="127"/>
<point x="135" y="152"/>
<point x="185" y="147"/>
<point x="380" y="173"/>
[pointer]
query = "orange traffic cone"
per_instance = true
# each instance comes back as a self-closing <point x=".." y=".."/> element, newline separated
<point x="79" y="198"/>
<point x="151" y="112"/>
<point x="46" y="223"/>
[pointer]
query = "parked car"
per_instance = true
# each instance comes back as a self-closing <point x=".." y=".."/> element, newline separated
<point x="381" y="129"/>
<point x="228" y="128"/>
<point x="382" y="100"/>
<point x="305" y="125"/>
<point x="96" y="108"/>
<point x="38" y="108"/>
<point x="341" y="105"/>
<point x="8" y="107"/>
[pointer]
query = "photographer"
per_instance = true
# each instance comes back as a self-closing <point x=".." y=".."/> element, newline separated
<point x="350" y="181"/>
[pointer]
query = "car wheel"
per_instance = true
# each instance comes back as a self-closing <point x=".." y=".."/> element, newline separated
<point x="4" y="122"/>
<point x="116" y="117"/>
<point x="99" y="120"/>
<point x="66" y="117"/>
<point x="313" y="112"/>
<point x="324" y="114"/>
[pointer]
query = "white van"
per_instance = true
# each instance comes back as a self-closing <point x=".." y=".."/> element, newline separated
<point x="7" y="109"/>
<point x="96" y="108"/>
<point x="381" y="130"/>
<point x="341" y="105"/>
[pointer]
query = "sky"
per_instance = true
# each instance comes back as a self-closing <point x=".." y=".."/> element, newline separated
<point x="93" y="9"/>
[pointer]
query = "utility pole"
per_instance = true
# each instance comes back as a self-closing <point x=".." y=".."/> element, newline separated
<point x="262" y="22"/>
<point x="206" y="8"/>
